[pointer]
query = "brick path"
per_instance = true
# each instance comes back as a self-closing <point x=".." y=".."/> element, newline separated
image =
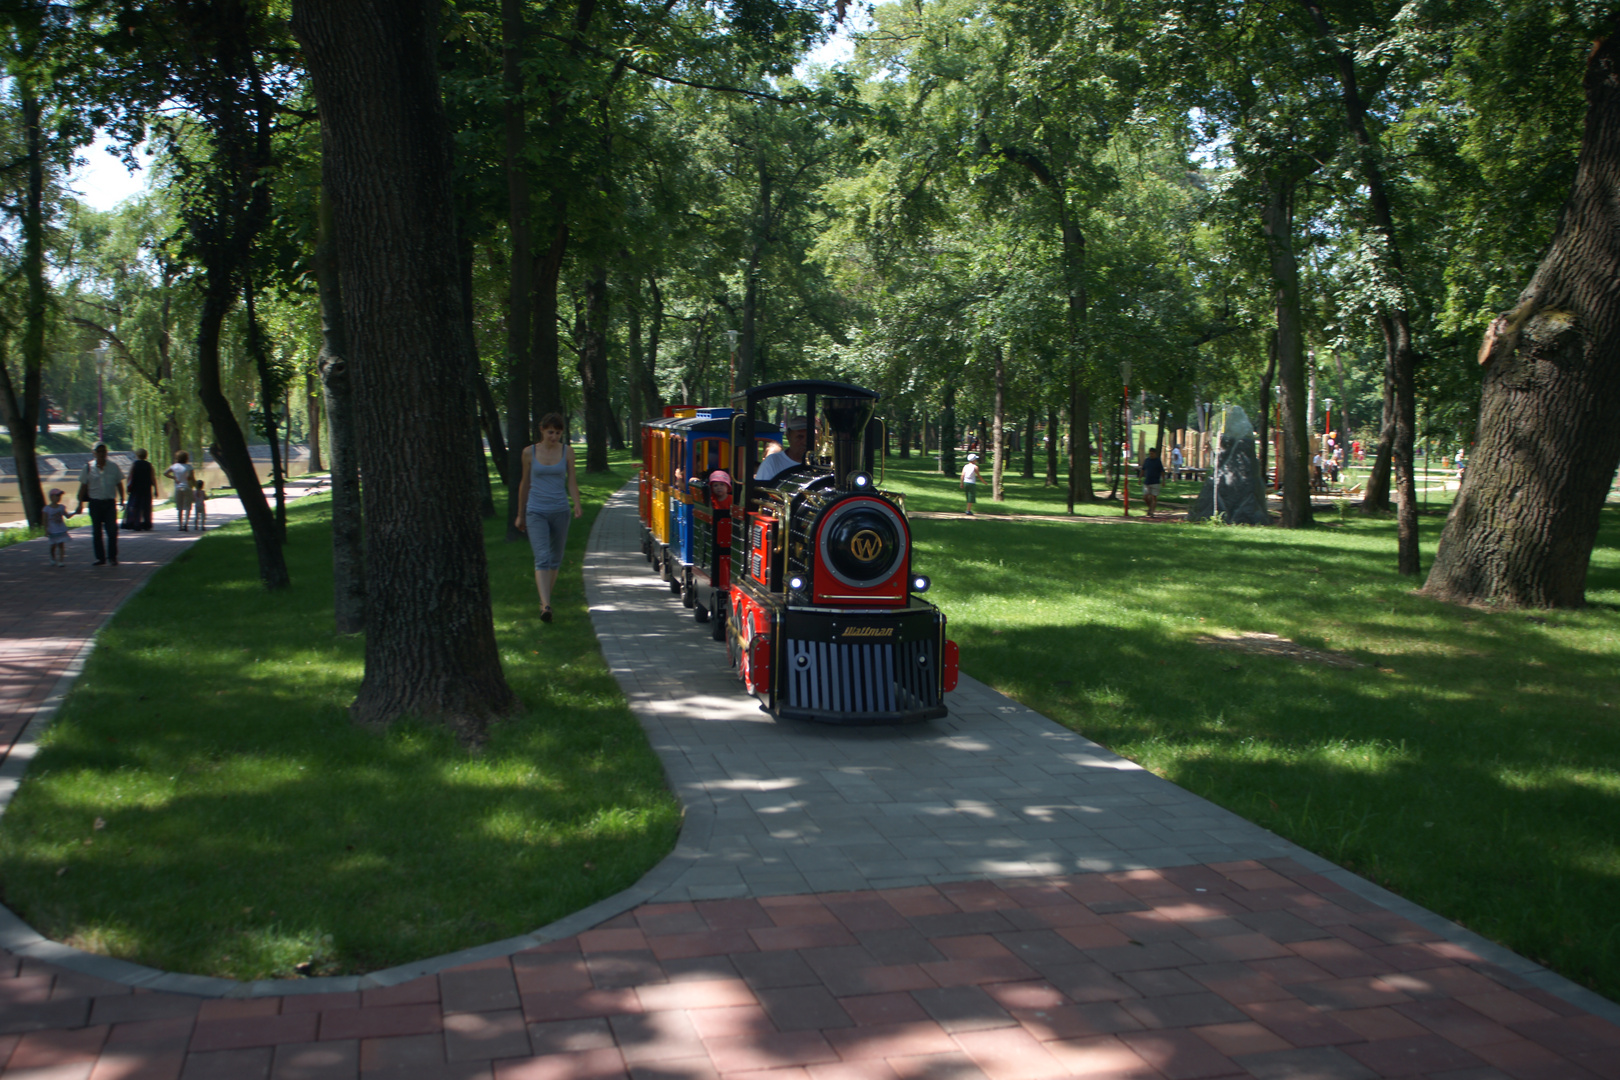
<point x="986" y="896"/>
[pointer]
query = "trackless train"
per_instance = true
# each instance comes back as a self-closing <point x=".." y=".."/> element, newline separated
<point x="807" y="575"/>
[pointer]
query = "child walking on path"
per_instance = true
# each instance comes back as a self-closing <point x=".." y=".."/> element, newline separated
<point x="199" y="503"/>
<point x="56" y="528"/>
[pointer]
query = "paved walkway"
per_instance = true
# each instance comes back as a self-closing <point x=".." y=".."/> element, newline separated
<point x="988" y="895"/>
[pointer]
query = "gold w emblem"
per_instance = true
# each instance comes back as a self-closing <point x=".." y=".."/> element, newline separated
<point x="866" y="546"/>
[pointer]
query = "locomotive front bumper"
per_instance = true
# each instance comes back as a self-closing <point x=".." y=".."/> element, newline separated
<point x="862" y="666"/>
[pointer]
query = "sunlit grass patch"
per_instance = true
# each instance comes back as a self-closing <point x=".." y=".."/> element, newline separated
<point x="1470" y="762"/>
<point x="203" y="804"/>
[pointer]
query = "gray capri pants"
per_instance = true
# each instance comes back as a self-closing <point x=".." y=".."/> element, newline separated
<point x="548" y="536"/>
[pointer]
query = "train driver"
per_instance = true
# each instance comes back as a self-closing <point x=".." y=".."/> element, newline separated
<point x="781" y="460"/>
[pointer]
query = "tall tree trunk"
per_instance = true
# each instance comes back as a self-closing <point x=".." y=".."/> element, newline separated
<point x="520" y="283"/>
<point x="348" y="554"/>
<point x="23" y="414"/>
<point x="1080" y="486"/>
<point x="1396" y="319"/>
<point x="1406" y="507"/>
<point x="430" y="638"/>
<point x="1054" y="435"/>
<point x="230" y="444"/>
<point x="649" y="368"/>
<point x="1376" y="500"/>
<point x="905" y="423"/>
<point x="312" y="411"/>
<point x="1522" y="528"/>
<point x="270" y="394"/>
<point x="998" y="421"/>
<point x="635" y="361"/>
<point x="546" y="388"/>
<point x="1277" y="218"/>
<point x="947" y="432"/>
<point x="1346" y="416"/>
<point x="1263" y="429"/>
<point x="593" y="371"/>
<point x="1029" y="445"/>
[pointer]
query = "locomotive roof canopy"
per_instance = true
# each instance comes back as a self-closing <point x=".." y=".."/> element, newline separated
<point x="819" y="387"/>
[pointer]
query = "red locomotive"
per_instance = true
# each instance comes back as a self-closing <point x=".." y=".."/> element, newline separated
<point x="822" y="619"/>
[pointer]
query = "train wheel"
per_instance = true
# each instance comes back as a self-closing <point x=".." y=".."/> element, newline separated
<point x="674" y="584"/>
<point x="719" y="630"/>
<point x="699" y="612"/>
<point x="688" y="593"/>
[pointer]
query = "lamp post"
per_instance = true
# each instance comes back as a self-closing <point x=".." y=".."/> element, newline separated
<point x="100" y="354"/>
<point x="1125" y="473"/>
<point x="731" y="374"/>
<point x="1327" y="427"/>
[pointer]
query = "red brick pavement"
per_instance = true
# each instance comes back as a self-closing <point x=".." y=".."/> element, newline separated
<point x="1178" y="974"/>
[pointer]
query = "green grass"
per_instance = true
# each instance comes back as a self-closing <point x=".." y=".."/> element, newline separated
<point x="58" y="442"/>
<point x="203" y="803"/>
<point x="19" y="534"/>
<point x="1471" y="764"/>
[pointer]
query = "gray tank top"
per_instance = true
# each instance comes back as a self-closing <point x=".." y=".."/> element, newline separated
<point x="548" y="484"/>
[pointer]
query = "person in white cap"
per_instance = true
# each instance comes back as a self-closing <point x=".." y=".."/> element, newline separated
<point x="781" y="460"/>
<point x="970" y="481"/>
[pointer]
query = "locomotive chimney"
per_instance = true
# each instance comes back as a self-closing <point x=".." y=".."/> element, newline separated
<point x="845" y="419"/>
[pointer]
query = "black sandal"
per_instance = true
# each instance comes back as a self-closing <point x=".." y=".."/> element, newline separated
<point x="545" y="614"/>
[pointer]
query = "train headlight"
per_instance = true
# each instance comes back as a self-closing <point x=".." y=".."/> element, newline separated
<point x="796" y="583"/>
<point x="920" y="583"/>
<point x="860" y="481"/>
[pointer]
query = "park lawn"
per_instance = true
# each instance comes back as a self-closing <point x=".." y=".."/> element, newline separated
<point x="202" y="803"/>
<point x="929" y="491"/>
<point x="1470" y="761"/>
<point x="57" y="442"/>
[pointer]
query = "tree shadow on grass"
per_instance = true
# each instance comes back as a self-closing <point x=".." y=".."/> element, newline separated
<point x="246" y="826"/>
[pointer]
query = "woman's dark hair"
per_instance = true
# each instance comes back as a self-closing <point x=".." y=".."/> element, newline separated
<point x="182" y="457"/>
<point x="553" y="420"/>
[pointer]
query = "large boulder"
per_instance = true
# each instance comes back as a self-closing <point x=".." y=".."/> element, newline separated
<point x="1235" y="491"/>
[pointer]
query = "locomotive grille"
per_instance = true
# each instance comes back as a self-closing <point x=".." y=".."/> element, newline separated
<point x="861" y="678"/>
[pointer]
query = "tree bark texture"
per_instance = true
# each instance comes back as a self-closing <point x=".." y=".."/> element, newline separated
<point x="520" y="290"/>
<point x="947" y="432"/>
<point x="546" y="376"/>
<point x="430" y="638"/>
<point x="24" y="416"/>
<point x="1263" y="428"/>
<point x="1029" y="445"/>
<point x="312" y="411"/>
<point x="1522" y="528"/>
<point x="593" y="371"/>
<point x="1376" y="501"/>
<point x="348" y="555"/>
<point x="1080" y="489"/>
<point x="1277" y="220"/>
<point x="998" y="422"/>
<point x="1053" y="435"/>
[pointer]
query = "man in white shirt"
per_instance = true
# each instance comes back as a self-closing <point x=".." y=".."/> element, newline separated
<point x="781" y="460"/>
<point x="101" y="487"/>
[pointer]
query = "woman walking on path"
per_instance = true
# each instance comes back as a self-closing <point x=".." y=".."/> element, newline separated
<point x="180" y="471"/>
<point x="548" y="486"/>
<point x="141" y="486"/>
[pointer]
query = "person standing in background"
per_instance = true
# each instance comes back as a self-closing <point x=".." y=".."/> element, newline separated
<point x="101" y="487"/>
<point x="180" y="472"/>
<point x="142" y="486"/>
